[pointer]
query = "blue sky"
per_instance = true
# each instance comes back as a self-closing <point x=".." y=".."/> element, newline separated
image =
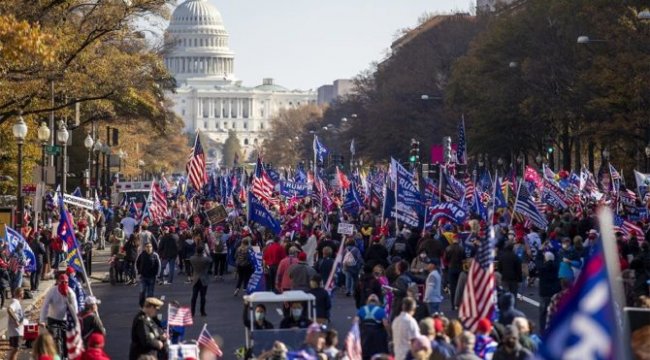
<point x="307" y="43"/>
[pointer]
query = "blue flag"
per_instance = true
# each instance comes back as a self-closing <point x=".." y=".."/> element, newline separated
<point x="478" y="207"/>
<point x="388" y="210"/>
<point x="294" y="188"/>
<point x="584" y="325"/>
<point x="352" y="200"/>
<point x="13" y="239"/>
<point x="66" y="233"/>
<point x="319" y="150"/>
<point x="258" y="213"/>
<point x="408" y="205"/>
<point x="77" y="192"/>
<point x="257" y="281"/>
<point x="300" y="176"/>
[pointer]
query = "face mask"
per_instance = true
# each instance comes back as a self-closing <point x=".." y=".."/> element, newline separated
<point x="63" y="289"/>
<point x="259" y="316"/>
<point x="422" y="256"/>
<point x="565" y="246"/>
<point x="296" y="313"/>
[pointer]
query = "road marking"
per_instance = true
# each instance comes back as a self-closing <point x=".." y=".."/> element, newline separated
<point x="528" y="300"/>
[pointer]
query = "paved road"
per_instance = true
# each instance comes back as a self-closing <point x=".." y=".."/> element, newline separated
<point x="120" y="304"/>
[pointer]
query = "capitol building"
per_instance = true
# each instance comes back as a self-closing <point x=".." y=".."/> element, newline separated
<point x="209" y="97"/>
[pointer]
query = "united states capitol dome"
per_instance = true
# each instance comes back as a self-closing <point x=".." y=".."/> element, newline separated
<point x="196" y="13"/>
<point x="198" y="43"/>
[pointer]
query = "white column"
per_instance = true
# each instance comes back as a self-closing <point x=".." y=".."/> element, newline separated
<point x="211" y="108"/>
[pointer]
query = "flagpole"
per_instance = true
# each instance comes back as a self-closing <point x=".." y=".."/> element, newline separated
<point x="610" y="252"/>
<point x="512" y="218"/>
<point x="494" y="196"/>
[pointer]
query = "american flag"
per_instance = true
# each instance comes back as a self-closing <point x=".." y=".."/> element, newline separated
<point x="353" y="343"/>
<point x="73" y="343"/>
<point x="628" y="228"/>
<point x="479" y="297"/>
<point x="469" y="189"/>
<point x="526" y="206"/>
<point x="461" y="149"/>
<point x="158" y="207"/>
<point x="195" y="166"/>
<point x="179" y="316"/>
<point x="262" y="185"/>
<point x="615" y="175"/>
<point x="207" y="342"/>
<point x="344" y="183"/>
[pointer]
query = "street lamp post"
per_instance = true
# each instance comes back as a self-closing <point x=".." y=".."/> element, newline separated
<point x="122" y="155"/>
<point x="62" y="136"/>
<point x="97" y="148"/>
<point x="20" y="132"/>
<point x="106" y="150"/>
<point x="43" y="137"/>
<point x="88" y="144"/>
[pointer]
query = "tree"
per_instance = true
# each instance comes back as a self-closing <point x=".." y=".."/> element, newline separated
<point x="90" y="52"/>
<point x="231" y="150"/>
<point x="390" y="94"/>
<point x="289" y="141"/>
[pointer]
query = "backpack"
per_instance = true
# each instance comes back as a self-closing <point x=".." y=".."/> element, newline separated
<point x="349" y="260"/>
<point x="219" y="247"/>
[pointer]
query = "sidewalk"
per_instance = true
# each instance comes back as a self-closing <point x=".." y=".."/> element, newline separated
<point x="28" y="304"/>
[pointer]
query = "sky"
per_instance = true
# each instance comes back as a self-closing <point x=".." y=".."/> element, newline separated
<point x="303" y="44"/>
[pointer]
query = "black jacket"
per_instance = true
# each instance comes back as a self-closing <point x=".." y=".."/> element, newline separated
<point x="510" y="266"/>
<point x="168" y="248"/>
<point x="323" y="302"/>
<point x="148" y="265"/>
<point x="376" y="254"/>
<point x="145" y="333"/>
<point x="131" y="251"/>
<point x="549" y="283"/>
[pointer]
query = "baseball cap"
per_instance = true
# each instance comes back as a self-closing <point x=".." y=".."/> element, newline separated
<point x="91" y="300"/>
<point x="153" y="302"/>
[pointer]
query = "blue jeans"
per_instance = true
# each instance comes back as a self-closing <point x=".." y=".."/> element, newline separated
<point x="351" y="278"/>
<point x="146" y="288"/>
<point x="172" y="269"/>
<point x="433" y="307"/>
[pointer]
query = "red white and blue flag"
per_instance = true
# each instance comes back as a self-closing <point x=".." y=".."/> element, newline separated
<point x="353" y="343"/>
<point x="479" y="297"/>
<point x="158" y="206"/>
<point x="262" y="185"/>
<point x="195" y="166"/>
<point x="179" y="316"/>
<point x="207" y="342"/>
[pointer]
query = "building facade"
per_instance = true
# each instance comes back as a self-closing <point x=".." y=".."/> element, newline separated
<point x="209" y="98"/>
<point x="338" y="89"/>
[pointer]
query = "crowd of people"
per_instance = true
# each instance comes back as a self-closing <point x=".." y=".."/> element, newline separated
<point x="407" y="284"/>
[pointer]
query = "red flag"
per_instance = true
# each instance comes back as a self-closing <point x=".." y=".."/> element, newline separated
<point x="343" y="180"/>
<point x="179" y="316"/>
<point x="207" y="342"/>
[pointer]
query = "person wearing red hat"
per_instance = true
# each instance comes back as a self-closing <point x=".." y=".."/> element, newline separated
<point x="485" y="345"/>
<point x="95" y="349"/>
<point x="58" y="302"/>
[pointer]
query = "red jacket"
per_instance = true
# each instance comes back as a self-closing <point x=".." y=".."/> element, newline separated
<point x="94" y="354"/>
<point x="273" y="254"/>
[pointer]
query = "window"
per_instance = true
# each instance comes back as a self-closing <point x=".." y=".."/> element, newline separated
<point x="225" y="125"/>
<point x="205" y="124"/>
<point x="246" y="125"/>
<point x="255" y="141"/>
<point x="183" y="112"/>
<point x="233" y="125"/>
<point x="245" y="141"/>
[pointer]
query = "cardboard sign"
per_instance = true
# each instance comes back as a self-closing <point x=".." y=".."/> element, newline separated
<point x="217" y="214"/>
<point x="346" y="229"/>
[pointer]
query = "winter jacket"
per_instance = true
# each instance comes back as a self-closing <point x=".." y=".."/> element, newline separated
<point x="549" y="283"/>
<point x="510" y="266"/>
<point x="507" y="311"/>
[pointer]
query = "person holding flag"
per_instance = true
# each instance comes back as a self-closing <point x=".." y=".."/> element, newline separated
<point x="59" y="301"/>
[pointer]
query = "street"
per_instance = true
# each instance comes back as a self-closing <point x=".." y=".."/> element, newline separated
<point x="120" y="304"/>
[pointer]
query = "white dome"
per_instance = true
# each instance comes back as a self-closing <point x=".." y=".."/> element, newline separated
<point x="196" y="13"/>
<point x="198" y="43"/>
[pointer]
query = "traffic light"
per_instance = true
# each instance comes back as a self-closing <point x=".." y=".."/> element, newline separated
<point x="414" y="154"/>
<point x="549" y="149"/>
<point x="446" y="145"/>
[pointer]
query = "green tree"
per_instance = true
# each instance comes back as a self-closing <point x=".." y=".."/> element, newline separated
<point x="231" y="149"/>
<point x="290" y="141"/>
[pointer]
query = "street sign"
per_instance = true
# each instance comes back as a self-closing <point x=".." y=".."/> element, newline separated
<point x="52" y="149"/>
<point x="346" y="229"/>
